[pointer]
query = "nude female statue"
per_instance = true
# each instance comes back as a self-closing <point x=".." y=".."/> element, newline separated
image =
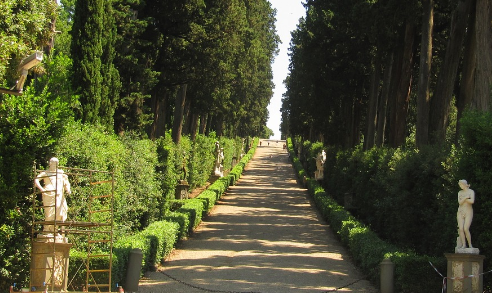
<point x="466" y="198"/>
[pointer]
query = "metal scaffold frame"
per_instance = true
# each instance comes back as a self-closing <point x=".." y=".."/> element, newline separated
<point x="88" y="227"/>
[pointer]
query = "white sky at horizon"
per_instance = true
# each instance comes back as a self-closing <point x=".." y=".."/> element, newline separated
<point x="288" y="14"/>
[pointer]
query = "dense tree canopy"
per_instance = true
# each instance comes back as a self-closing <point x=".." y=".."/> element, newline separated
<point x="24" y="26"/>
<point x="143" y="68"/>
<point x="355" y="73"/>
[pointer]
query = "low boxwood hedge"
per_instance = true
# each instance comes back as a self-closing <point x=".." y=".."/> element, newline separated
<point x="159" y="238"/>
<point x="413" y="273"/>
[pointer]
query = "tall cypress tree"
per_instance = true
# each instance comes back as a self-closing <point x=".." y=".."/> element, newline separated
<point x="95" y="77"/>
<point x="111" y="84"/>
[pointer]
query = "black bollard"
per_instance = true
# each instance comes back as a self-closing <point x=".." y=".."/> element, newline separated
<point x="133" y="270"/>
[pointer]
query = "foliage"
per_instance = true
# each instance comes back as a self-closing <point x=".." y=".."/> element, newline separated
<point x="475" y="165"/>
<point x="397" y="192"/>
<point x="201" y="160"/>
<point x="29" y="127"/>
<point x="138" y="192"/>
<point x="352" y="63"/>
<point x="23" y="28"/>
<point x="156" y="241"/>
<point x="182" y="219"/>
<point x="368" y="250"/>
<point x="93" y="51"/>
<point x="169" y="168"/>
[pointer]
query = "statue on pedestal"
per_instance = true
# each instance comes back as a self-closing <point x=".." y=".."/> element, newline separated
<point x="320" y="162"/>
<point x="55" y="183"/>
<point x="219" y="153"/>
<point x="464" y="216"/>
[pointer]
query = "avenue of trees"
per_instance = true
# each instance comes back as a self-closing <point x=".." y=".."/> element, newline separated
<point x="398" y="95"/>
<point x="379" y="72"/>
<point x="191" y="66"/>
<point x="142" y="86"/>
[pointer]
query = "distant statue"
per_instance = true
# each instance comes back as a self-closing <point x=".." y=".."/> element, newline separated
<point x="54" y="184"/>
<point x="183" y="168"/>
<point x="320" y="164"/>
<point x="466" y="198"/>
<point x="219" y="158"/>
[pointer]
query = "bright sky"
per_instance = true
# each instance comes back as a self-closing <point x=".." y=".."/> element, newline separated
<point x="288" y="14"/>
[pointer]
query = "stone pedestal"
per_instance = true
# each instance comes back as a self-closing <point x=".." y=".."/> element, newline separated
<point x="182" y="190"/>
<point x="48" y="260"/>
<point x="219" y="170"/>
<point x="467" y="269"/>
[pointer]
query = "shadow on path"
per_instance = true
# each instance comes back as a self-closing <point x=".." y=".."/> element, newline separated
<point x="264" y="235"/>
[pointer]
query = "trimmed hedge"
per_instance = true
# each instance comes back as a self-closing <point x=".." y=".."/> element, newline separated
<point x="413" y="272"/>
<point x="159" y="238"/>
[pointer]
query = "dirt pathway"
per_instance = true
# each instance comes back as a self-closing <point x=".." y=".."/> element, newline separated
<point x="264" y="235"/>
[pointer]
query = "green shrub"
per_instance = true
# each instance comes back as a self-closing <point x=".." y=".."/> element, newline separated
<point x="202" y="160"/>
<point x="394" y="191"/>
<point x="183" y="221"/>
<point x="208" y="197"/>
<point x="133" y="160"/>
<point x="475" y="165"/>
<point x="30" y="125"/>
<point x="77" y="271"/>
<point x="194" y="209"/>
<point x="155" y="242"/>
<point x="368" y="250"/>
<point x="168" y="166"/>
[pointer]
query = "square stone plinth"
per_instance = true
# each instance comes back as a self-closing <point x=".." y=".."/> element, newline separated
<point x="464" y="272"/>
<point x="49" y="265"/>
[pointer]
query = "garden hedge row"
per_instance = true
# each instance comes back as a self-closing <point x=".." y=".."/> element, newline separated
<point x="159" y="238"/>
<point x="413" y="273"/>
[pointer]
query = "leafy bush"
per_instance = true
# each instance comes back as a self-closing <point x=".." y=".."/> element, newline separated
<point x="396" y="192"/>
<point x="155" y="242"/>
<point x="133" y="160"/>
<point x="368" y="250"/>
<point x="170" y="162"/>
<point x="194" y="209"/>
<point x="202" y="160"/>
<point x="29" y="127"/>
<point x="475" y="165"/>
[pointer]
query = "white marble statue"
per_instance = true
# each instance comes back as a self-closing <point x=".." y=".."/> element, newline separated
<point x="320" y="163"/>
<point x="219" y="153"/>
<point x="54" y="184"/>
<point x="464" y="216"/>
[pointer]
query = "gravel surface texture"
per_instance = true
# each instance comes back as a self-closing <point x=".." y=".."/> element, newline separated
<point x="264" y="235"/>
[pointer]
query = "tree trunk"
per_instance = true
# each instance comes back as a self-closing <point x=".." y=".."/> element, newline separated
<point x="483" y="74"/>
<point x="210" y="121"/>
<point x="203" y="123"/>
<point x="187" y="118"/>
<point x="178" y="114"/>
<point x="373" y="102"/>
<point x="468" y="72"/>
<point x="355" y="130"/>
<point x="399" y="110"/>
<point x="219" y="125"/>
<point x="158" y="105"/>
<point x="423" y="97"/>
<point x="441" y="101"/>
<point x="383" y="103"/>
<point x="194" y="126"/>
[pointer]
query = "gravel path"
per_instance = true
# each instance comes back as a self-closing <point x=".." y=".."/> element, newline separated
<point x="264" y="235"/>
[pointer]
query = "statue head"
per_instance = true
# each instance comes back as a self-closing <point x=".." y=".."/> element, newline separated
<point x="53" y="163"/>
<point x="463" y="182"/>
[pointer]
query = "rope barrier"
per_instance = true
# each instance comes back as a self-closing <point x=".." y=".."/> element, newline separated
<point x="445" y="279"/>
